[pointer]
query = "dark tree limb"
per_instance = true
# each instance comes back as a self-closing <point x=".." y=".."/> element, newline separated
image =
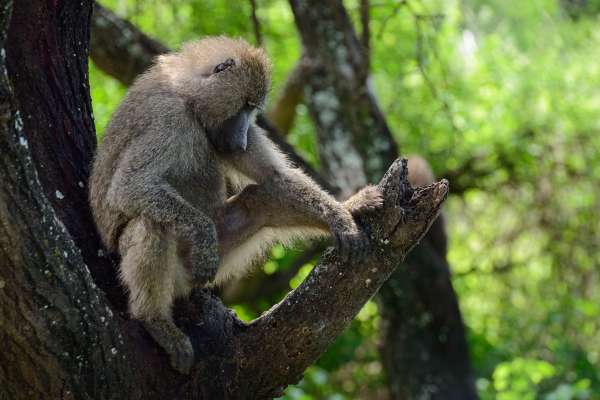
<point x="119" y="48"/>
<point x="62" y="335"/>
<point x="365" y="33"/>
<point x="47" y="63"/>
<point x="56" y="325"/>
<point x="256" y="23"/>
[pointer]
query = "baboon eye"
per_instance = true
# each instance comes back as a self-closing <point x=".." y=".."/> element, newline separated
<point x="224" y="65"/>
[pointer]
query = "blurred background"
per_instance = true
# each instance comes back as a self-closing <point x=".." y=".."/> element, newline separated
<point x="502" y="98"/>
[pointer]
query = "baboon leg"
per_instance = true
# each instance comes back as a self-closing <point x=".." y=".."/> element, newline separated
<point x="254" y="220"/>
<point x="150" y="269"/>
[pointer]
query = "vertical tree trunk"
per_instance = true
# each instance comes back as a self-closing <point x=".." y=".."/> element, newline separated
<point x="424" y="347"/>
<point x="424" y="351"/>
<point x="47" y="52"/>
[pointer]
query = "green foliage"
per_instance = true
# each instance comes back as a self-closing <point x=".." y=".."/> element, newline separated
<point x="508" y="94"/>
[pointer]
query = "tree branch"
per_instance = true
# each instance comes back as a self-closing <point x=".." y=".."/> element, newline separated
<point x="56" y="324"/>
<point x="119" y="48"/>
<point x="283" y="111"/>
<point x="296" y="331"/>
<point x="365" y="34"/>
<point x="355" y="142"/>
<point x="256" y="23"/>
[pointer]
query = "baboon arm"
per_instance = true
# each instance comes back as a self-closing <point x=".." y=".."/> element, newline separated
<point x="160" y="202"/>
<point x="240" y="220"/>
<point x="288" y="187"/>
<point x="157" y="200"/>
<point x="141" y="185"/>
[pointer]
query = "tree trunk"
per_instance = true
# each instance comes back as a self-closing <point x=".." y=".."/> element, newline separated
<point x="424" y="349"/>
<point x="63" y="329"/>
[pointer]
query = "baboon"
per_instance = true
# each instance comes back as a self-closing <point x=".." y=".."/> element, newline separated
<point x="191" y="192"/>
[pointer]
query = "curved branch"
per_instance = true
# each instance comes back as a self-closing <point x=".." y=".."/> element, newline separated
<point x="283" y="111"/>
<point x="292" y="335"/>
<point x="256" y="23"/>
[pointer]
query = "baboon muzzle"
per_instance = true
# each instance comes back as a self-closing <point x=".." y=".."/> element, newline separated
<point x="232" y="136"/>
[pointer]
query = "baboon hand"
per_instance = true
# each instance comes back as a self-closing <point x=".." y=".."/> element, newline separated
<point x="366" y="200"/>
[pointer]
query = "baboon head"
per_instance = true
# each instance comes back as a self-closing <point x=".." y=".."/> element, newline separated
<point x="224" y="81"/>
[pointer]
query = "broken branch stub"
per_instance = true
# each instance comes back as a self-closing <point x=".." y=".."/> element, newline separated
<point x="408" y="212"/>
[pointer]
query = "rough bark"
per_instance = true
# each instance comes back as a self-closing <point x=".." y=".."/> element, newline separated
<point x="55" y="325"/>
<point x="47" y="62"/>
<point x="422" y="359"/>
<point x="63" y="336"/>
<point x="256" y="23"/>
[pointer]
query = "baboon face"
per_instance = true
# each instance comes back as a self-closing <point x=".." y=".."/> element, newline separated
<point x="231" y="135"/>
<point x="224" y="80"/>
